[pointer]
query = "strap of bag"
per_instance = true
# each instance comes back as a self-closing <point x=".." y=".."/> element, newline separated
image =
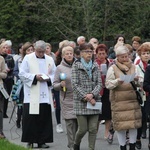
<point x="141" y="68"/>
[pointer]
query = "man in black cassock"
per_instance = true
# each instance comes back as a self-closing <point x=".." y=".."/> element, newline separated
<point x="37" y="72"/>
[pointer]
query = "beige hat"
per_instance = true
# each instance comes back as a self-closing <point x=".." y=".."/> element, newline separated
<point x="121" y="50"/>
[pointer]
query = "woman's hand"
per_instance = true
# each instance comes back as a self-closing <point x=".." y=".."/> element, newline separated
<point x="120" y="81"/>
<point x="93" y="102"/>
<point x="136" y="78"/>
<point x="88" y="97"/>
<point x="63" y="84"/>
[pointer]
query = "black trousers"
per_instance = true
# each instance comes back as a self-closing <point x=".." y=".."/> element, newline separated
<point x="37" y="128"/>
<point x="144" y="123"/>
<point x="1" y="111"/>
<point x="8" y="86"/>
<point x="19" y="114"/>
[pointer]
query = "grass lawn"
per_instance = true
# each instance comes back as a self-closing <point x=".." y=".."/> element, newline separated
<point x="6" y="145"/>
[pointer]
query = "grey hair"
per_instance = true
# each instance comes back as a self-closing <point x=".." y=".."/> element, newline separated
<point x="72" y="43"/>
<point x="63" y="43"/>
<point x="8" y="42"/>
<point x="67" y="48"/>
<point x="40" y="45"/>
<point x="80" y="37"/>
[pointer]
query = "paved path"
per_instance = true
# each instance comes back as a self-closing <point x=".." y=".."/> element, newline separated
<point x="60" y="140"/>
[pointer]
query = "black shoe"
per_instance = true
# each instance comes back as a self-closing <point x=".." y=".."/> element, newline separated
<point x="76" y="147"/>
<point x="123" y="147"/>
<point x="43" y="146"/>
<point x="138" y="145"/>
<point x="30" y="145"/>
<point x="18" y="124"/>
<point x="5" y="116"/>
<point x="144" y="135"/>
<point x="132" y="146"/>
<point x="2" y="136"/>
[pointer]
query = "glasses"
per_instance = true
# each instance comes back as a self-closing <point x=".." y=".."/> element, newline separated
<point x="95" y="42"/>
<point x="88" y="51"/>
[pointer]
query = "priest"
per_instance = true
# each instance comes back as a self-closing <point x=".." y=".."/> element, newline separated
<point x="37" y="73"/>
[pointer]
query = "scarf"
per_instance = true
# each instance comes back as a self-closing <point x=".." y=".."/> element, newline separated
<point x="88" y="66"/>
<point x="142" y="64"/>
<point x="125" y="66"/>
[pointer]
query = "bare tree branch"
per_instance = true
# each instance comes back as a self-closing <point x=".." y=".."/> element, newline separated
<point x="57" y="18"/>
<point x="61" y="32"/>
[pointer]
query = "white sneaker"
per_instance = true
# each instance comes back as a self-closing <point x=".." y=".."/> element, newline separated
<point x="59" y="128"/>
<point x="102" y="122"/>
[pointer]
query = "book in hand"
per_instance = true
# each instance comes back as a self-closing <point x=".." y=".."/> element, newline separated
<point x="45" y="77"/>
<point x="98" y="106"/>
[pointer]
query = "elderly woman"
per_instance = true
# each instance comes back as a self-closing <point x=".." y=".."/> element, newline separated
<point x="66" y="96"/>
<point x="86" y="82"/>
<point x="144" y="55"/>
<point x="3" y="75"/>
<point x="8" y="82"/>
<point x="126" y="111"/>
<point x="104" y="63"/>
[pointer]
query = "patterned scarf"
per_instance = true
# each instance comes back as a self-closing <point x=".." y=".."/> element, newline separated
<point x="88" y="66"/>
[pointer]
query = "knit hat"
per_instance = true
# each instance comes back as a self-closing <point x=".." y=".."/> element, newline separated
<point x="121" y="50"/>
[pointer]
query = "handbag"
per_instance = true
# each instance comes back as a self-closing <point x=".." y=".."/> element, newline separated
<point x="138" y="95"/>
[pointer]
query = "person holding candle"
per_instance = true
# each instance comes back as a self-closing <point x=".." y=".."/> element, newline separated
<point x="62" y="83"/>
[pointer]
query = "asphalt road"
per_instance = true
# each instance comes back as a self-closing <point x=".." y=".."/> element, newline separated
<point x="60" y="140"/>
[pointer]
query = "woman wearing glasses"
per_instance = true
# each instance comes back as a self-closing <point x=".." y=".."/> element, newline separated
<point x="86" y="83"/>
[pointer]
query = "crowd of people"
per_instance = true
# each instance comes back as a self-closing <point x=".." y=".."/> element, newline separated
<point x="84" y="83"/>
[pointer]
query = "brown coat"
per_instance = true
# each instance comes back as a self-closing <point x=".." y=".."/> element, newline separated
<point x="126" y="112"/>
<point x="66" y="99"/>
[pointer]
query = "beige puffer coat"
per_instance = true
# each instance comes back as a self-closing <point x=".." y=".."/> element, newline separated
<point x="126" y="112"/>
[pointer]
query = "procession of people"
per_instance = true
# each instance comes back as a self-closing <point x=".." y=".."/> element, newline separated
<point x="84" y="82"/>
